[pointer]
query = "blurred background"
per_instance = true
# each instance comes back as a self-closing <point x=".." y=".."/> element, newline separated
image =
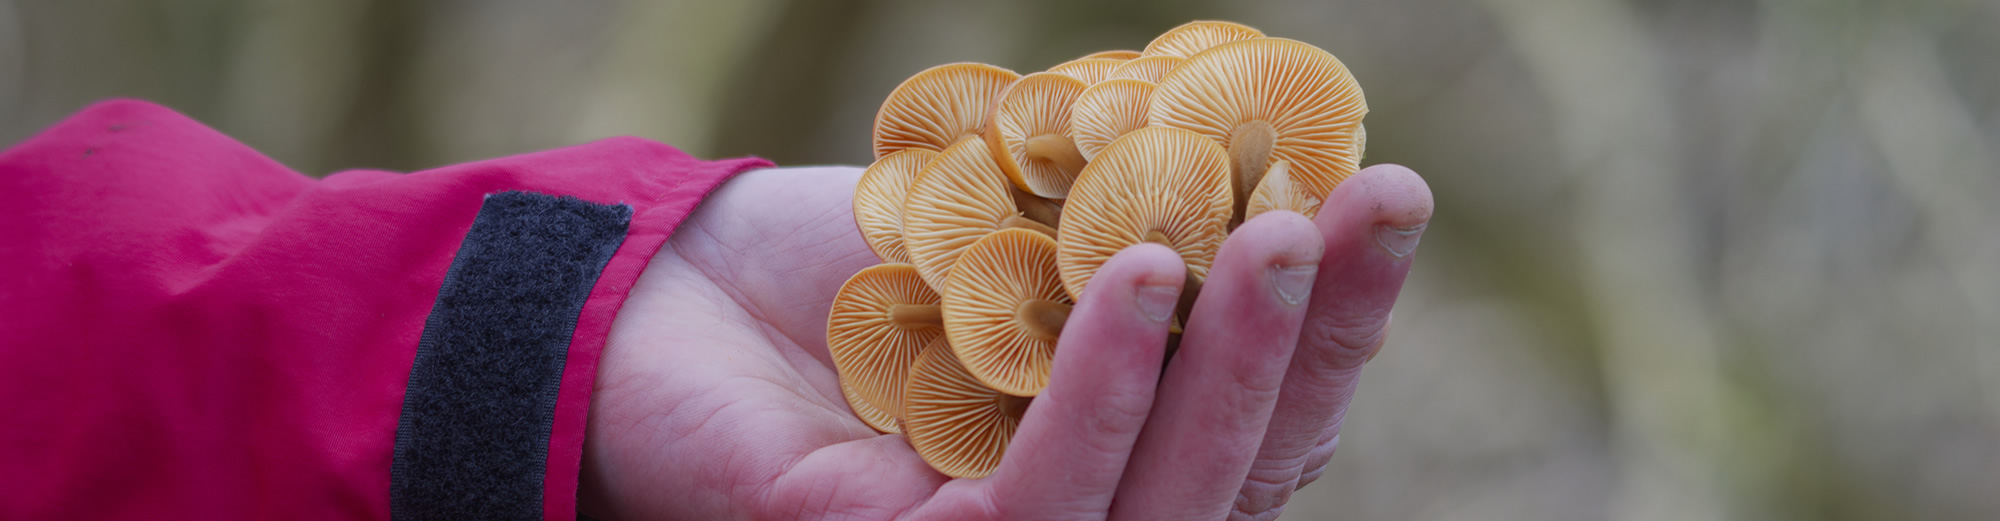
<point x="1692" y="260"/>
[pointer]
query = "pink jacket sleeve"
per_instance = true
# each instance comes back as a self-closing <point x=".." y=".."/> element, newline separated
<point x="190" y="330"/>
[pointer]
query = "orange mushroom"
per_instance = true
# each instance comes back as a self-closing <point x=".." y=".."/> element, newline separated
<point x="877" y="419"/>
<point x="1269" y="99"/>
<point x="960" y="427"/>
<point x="1149" y="69"/>
<point x="959" y="198"/>
<point x="1030" y="134"/>
<point x="1278" y="192"/>
<point x="1005" y="194"/>
<point x="1106" y="111"/>
<point x="939" y="106"/>
<point x="1115" y="55"/>
<point x="881" y="318"/>
<point x="1360" y="143"/>
<point x="1193" y="37"/>
<point x="878" y="201"/>
<point x="1155" y="184"/>
<point x="1090" y="70"/>
<point x="1004" y="308"/>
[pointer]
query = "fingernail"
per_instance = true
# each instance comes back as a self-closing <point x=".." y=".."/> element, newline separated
<point x="1399" y="241"/>
<point x="1294" y="283"/>
<point x="1157" y="302"/>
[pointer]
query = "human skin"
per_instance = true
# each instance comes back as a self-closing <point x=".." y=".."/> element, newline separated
<point x="716" y="397"/>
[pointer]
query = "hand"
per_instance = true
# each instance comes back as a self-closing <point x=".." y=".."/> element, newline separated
<point x="716" y="397"/>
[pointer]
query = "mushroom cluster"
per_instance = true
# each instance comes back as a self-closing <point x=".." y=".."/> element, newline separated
<point x="995" y="197"/>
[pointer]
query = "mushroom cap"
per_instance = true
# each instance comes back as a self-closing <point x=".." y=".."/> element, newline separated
<point x="877" y="419"/>
<point x="878" y="201"/>
<point x="1090" y="70"/>
<point x="960" y="427"/>
<point x="1193" y="37"/>
<point x="1360" y="144"/>
<point x="1119" y="54"/>
<point x="987" y="306"/>
<point x="938" y="106"/>
<point x="1106" y="111"/>
<point x="1153" y="181"/>
<point x="1149" y="69"/>
<point x="1037" y="106"/>
<point x="1279" y="192"/>
<point x="1306" y="97"/>
<point x="870" y="350"/>
<point x="959" y="198"/>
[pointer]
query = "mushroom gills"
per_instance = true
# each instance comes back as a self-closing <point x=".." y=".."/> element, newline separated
<point x="1118" y="54"/>
<point x="1148" y="69"/>
<point x="1030" y="134"/>
<point x="880" y="320"/>
<point x="1193" y="37"/>
<point x="1005" y="307"/>
<point x="1278" y="191"/>
<point x="937" y="106"/>
<point x="876" y="418"/>
<point x="1089" y="70"/>
<point x="878" y="201"/>
<point x="1163" y="184"/>
<point x="1025" y="223"/>
<point x="1107" y="111"/>
<point x="955" y="423"/>
<point x="962" y="196"/>
<point x="1267" y="99"/>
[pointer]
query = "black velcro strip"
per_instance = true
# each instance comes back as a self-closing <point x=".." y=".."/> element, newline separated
<point x="472" y="442"/>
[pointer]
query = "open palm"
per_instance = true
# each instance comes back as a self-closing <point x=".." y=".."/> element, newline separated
<point x="716" y="396"/>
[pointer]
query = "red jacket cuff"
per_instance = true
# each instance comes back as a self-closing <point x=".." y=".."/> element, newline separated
<point x="197" y="331"/>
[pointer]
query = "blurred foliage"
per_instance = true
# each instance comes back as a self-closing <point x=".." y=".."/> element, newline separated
<point x="1693" y="259"/>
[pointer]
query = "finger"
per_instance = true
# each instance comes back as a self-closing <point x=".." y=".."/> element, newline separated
<point x="1217" y="394"/>
<point x="1317" y="460"/>
<point x="1371" y="224"/>
<point x="1073" y="444"/>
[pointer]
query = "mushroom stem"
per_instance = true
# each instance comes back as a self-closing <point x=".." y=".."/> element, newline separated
<point x="1190" y="289"/>
<point x="1038" y="208"/>
<point x="1250" y="146"/>
<point x="1059" y="150"/>
<point x="1042" y="318"/>
<point x="1011" y="405"/>
<point x="1016" y="221"/>
<point x="913" y="316"/>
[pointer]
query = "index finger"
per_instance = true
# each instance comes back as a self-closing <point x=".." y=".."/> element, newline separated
<point x="1067" y="457"/>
